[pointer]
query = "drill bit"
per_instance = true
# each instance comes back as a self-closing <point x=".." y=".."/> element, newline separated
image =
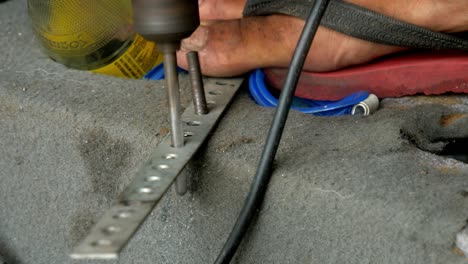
<point x="172" y="83"/>
<point x="173" y="96"/>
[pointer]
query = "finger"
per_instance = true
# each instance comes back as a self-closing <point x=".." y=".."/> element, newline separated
<point x="197" y="40"/>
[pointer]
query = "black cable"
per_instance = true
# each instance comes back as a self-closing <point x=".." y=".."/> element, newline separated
<point x="262" y="177"/>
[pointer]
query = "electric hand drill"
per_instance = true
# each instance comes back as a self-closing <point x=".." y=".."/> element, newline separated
<point x="167" y="22"/>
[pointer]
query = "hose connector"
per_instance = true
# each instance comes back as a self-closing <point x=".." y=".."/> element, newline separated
<point x="366" y="107"/>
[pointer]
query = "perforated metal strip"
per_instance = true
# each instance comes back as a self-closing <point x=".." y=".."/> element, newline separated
<point x="117" y="226"/>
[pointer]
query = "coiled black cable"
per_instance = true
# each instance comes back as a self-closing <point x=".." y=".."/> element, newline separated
<point x="262" y="177"/>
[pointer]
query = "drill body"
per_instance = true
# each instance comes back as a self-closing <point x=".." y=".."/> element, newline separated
<point x="166" y="22"/>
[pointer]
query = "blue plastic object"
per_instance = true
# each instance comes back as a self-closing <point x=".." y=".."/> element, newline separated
<point x="157" y="73"/>
<point x="262" y="96"/>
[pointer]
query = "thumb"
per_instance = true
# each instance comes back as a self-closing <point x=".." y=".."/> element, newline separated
<point x="197" y="41"/>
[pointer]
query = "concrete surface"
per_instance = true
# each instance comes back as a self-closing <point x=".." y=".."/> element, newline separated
<point x="345" y="190"/>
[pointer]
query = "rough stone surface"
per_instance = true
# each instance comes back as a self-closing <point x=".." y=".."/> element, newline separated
<point x="345" y="189"/>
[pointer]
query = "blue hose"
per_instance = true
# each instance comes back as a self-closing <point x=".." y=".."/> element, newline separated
<point x="262" y="96"/>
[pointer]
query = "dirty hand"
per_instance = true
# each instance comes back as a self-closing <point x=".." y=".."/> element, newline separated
<point x="229" y="44"/>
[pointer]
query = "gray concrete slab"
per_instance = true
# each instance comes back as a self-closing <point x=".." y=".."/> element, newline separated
<point x="345" y="190"/>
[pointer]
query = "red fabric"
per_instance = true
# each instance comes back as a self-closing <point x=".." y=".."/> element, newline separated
<point x="394" y="76"/>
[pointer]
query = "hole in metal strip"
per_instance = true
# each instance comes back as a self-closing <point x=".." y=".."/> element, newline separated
<point x="220" y="83"/>
<point x="101" y="243"/>
<point x="193" y="123"/>
<point x="145" y="190"/>
<point x="163" y="166"/>
<point x="129" y="203"/>
<point x="215" y="92"/>
<point x="170" y="156"/>
<point x="124" y="214"/>
<point x="152" y="178"/>
<point x="110" y="230"/>
<point x="188" y="134"/>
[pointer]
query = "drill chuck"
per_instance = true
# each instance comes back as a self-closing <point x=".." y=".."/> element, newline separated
<point x="165" y="21"/>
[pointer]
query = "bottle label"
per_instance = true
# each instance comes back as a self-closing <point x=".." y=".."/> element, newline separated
<point x="140" y="58"/>
<point x="63" y="44"/>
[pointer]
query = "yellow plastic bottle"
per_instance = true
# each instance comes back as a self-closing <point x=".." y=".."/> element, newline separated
<point x="93" y="35"/>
